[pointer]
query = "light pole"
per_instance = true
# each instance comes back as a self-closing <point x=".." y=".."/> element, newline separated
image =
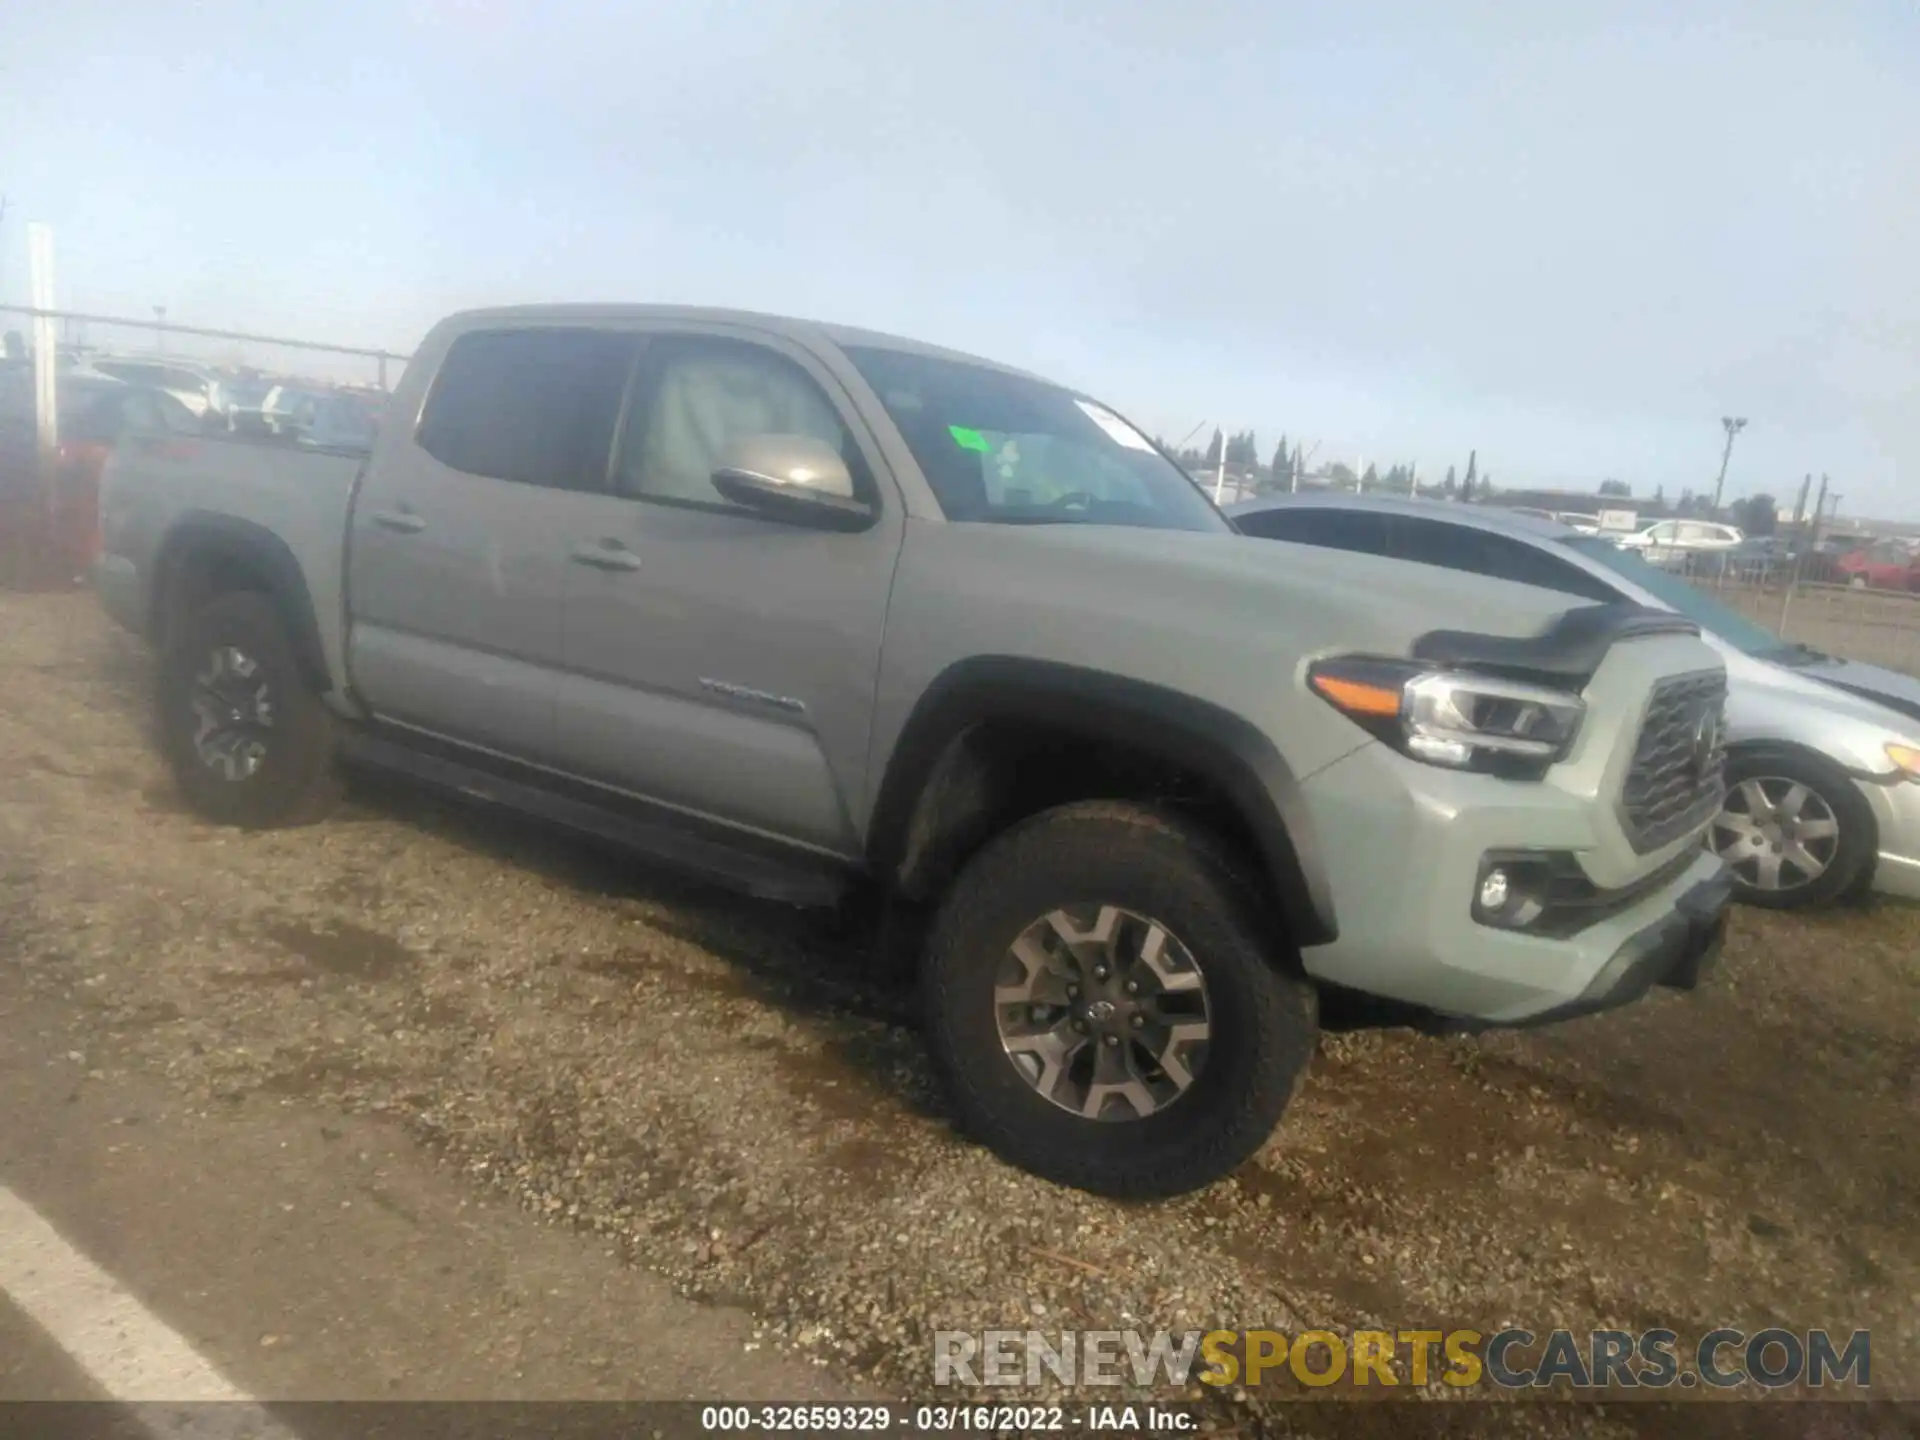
<point x="1733" y="427"/>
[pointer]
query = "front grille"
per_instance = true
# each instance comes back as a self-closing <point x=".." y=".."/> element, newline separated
<point x="1678" y="778"/>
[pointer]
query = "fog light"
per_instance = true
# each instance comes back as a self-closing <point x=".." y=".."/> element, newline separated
<point x="1512" y="890"/>
<point x="1494" y="891"/>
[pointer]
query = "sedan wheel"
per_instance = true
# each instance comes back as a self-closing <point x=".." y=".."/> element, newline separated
<point x="1793" y="830"/>
<point x="1776" y="833"/>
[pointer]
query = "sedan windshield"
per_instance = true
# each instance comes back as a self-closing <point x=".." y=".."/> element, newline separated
<point x="1002" y="449"/>
<point x="1691" y="601"/>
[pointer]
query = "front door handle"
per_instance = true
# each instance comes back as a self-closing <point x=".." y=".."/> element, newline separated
<point x="404" y="521"/>
<point x="606" y="554"/>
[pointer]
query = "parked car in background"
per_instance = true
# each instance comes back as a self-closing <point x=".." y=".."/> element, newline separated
<point x="242" y="404"/>
<point x="850" y="615"/>
<point x="89" y="433"/>
<point x="95" y="412"/>
<point x="1883" y="565"/>
<point x="1673" y="543"/>
<point x="194" y="386"/>
<point x="289" y="410"/>
<point x="1823" y="755"/>
<point x="341" y="422"/>
<point x="1576" y="520"/>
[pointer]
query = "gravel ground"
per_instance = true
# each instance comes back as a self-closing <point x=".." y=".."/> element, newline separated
<point x="718" y="1089"/>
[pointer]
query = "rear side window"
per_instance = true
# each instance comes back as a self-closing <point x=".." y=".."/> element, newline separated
<point x="1358" y="530"/>
<point x="1479" y="552"/>
<point x="533" y="406"/>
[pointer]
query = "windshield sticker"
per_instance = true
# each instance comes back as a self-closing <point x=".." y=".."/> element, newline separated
<point x="969" y="439"/>
<point x="1117" y="429"/>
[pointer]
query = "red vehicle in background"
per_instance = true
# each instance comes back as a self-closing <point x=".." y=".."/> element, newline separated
<point x="1885" y="565"/>
<point x="88" y="438"/>
<point x="96" y="412"/>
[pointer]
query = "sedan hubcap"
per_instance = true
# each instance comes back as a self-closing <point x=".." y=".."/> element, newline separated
<point x="1776" y="834"/>
<point x="232" y="712"/>
<point x="1103" y="1012"/>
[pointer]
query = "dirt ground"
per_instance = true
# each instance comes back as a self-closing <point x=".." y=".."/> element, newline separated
<point x="718" y="1090"/>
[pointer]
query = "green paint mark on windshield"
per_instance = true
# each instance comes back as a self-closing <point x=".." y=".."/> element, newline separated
<point x="969" y="439"/>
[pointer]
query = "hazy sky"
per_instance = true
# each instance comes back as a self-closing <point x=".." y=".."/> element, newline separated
<point x="1570" y="235"/>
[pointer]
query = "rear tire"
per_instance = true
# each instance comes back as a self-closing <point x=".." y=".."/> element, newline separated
<point x="1133" y="871"/>
<point x="248" y="738"/>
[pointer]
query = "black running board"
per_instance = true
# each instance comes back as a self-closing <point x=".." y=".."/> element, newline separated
<point x="677" y="842"/>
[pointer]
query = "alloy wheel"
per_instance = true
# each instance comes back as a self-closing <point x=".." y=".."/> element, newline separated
<point x="233" y="711"/>
<point x="1103" y="1012"/>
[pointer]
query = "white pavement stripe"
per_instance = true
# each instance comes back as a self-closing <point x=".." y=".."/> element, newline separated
<point x="124" y="1347"/>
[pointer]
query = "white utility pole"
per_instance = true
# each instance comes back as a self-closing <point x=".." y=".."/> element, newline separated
<point x="1300" y="459"/>
<point x="1360" y="476"/>
<point x="46" y="410"/>
<point x="1220" y="476"/>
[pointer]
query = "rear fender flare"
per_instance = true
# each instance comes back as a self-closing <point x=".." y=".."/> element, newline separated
<point x="202" y="536"/>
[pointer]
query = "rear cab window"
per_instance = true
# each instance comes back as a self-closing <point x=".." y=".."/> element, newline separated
<point x="535" y="406"/>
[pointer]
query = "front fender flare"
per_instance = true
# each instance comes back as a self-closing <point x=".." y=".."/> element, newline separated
<point x="1223" y="748"/>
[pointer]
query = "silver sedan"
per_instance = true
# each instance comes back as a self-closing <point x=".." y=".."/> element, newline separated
<point x="1823" y="755"/>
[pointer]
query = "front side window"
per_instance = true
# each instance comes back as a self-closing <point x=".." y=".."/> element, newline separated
<point x="532" y="406"/>
<point x="1001" y="449"/>
<point x="695" y="396"/>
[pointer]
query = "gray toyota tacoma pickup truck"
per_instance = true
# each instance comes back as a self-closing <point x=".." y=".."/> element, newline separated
<point x="819" y="612"/>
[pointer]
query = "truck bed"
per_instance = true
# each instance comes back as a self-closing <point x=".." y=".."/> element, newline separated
<point x="300" y="495"/>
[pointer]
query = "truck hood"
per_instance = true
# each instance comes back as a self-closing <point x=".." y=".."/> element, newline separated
<point x="1382" y="605"/>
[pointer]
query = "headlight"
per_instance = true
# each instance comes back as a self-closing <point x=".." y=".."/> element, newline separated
<point x="1453" y="717"/>
<point x="1907" y="758"/>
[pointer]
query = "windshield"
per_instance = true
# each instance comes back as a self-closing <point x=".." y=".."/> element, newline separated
<point x="1005" y="450"/>
<point x="1691" y="601"/>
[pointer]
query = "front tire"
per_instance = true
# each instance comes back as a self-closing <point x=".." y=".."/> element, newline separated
<point x="1793" y="831"/>
<point x="249" y="741"/>
<point x="1108" y="1004"/>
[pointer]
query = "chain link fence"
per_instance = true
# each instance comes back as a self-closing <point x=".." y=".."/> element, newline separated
<point x="1853" y="596"/>
<point x="119" y="380"/>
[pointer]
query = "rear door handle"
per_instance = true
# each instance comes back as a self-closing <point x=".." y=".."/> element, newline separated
<point x="404" y="521"/>
<point x="606" y="554"/>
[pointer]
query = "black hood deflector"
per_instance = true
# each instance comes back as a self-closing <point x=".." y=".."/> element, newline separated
<point x="1568" y="651"/>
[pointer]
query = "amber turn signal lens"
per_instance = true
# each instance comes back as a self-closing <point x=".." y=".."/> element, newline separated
<point x="1357" y="698"/>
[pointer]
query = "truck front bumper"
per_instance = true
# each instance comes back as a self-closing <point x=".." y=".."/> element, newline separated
<point x="1406" y="846"/>
<point x="1676" y="951"/>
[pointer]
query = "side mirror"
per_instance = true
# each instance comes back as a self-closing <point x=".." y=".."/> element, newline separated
<point x="798" y="479"/>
